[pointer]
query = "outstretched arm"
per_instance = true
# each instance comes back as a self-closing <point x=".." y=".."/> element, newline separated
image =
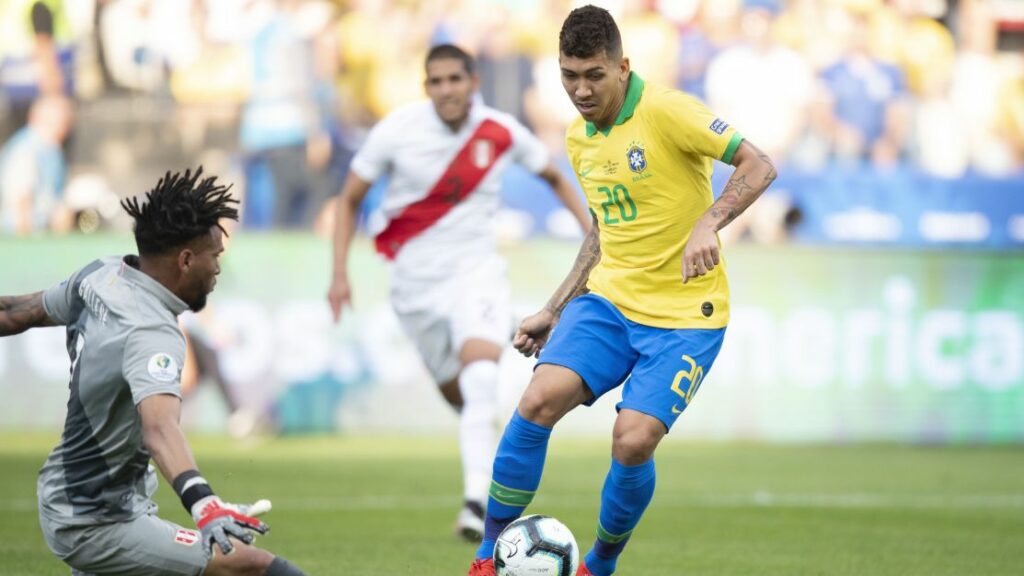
<point x="754" y="173"/>
<point x="340" y="292"/>
<point x="567" y="194"/>
<point x="19" y="313"/>
<point x="216" y="519"/>
<point x="533" y="331"/>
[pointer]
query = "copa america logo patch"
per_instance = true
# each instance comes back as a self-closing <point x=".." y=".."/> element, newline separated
<point x="186" y="537"/>
<point x="719" y="126"/>
<point x="163" y="368"/>
<point x="637" y="158"/>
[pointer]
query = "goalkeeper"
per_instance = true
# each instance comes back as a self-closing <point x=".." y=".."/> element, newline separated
<point x="95" y="489"/>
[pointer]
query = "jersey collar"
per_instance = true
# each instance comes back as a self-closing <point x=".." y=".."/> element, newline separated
<point x="633" y="92"/>
<point x="129" y="269"/>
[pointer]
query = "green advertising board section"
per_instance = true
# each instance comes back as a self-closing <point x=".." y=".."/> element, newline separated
<point x="824" y="344"/>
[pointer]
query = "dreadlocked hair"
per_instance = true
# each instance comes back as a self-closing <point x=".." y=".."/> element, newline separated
<point x="180" y="209"/>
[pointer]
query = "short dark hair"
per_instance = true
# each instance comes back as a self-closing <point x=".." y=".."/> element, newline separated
<point x="180" y="209"/>
<point x="446" y="51"/>
<point x="588" y="31"/>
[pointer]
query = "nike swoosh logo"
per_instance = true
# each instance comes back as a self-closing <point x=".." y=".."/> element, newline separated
<point x="505" y="495"/>
<point x="676" y="410"/>
<point x="583" y="173"/>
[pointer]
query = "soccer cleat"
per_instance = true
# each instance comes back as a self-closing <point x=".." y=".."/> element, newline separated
<point x="583" y="570"/>
<point x="484" y="567"/>
<point x="469" y="524"/>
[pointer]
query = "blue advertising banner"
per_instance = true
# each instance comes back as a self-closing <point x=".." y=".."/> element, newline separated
<point x="848" y="206"/>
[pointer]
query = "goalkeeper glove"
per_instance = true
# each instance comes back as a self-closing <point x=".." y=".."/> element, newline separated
<point x="216" y="519"/>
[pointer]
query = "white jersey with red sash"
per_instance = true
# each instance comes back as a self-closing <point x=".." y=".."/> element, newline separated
<point x="436" y="219"/>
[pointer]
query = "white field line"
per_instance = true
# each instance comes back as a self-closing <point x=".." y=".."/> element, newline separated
<point x="702" y="500"/>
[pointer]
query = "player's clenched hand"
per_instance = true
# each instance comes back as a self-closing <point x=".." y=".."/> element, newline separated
<point x="339" y="295"/>
<point x="533" y="332"/>
<point x="700" y="255"/>
<point x="217" y="520"/>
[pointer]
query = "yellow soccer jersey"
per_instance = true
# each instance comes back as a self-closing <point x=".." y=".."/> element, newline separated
<point x="648" y="180"/>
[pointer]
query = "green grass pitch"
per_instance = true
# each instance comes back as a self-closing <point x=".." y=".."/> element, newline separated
<point x="367" y="506"/>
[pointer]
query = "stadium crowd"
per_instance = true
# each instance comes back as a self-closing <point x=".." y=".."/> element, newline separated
<point x="97" y="97"/>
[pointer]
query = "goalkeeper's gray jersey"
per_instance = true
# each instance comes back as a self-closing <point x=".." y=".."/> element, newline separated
<point x="125" y="345"/>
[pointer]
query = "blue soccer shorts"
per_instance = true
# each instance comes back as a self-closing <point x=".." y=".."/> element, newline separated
<point x="662" y="368"/>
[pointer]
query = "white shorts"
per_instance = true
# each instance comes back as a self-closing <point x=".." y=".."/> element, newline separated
<point x="145" y="545"/>
<point x="471" y="305"/>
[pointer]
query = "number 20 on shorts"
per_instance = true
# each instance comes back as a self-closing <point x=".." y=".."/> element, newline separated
<point x="694" y="375"/>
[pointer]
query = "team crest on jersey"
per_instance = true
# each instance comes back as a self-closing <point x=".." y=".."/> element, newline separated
<point x="483" y="153"/>
<point x="637" y="158"/>
<point x="163" y="368"/>
<point x="186" y="537"/>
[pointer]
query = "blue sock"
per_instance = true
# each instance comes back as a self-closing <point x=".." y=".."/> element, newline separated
<point x="518" y="465"/>
<point x="627" y="492"/>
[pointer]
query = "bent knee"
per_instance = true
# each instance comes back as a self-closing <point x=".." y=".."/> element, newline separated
<point x="537" y="407"/>
<point x="635" y="446"/>
<point x="552" y="393"/>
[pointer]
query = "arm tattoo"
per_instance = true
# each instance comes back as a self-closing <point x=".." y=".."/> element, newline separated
<point x="737" y="187"/>
<point x="724" y="210"/>
<point x="576" y="282"/>
<point x="770" y="176"/>
<point x="19" y="313"/>
<point x="738" y="194"/>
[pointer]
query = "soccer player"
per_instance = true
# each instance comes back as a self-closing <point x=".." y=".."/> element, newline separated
<point x="95" y="489"/>
<point x="646" y="303"/>
<point x="445" y="157"/>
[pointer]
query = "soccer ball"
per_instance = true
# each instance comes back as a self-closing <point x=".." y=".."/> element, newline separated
<point x="536" y="546"/>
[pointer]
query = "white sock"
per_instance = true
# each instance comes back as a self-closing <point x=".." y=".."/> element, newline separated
<point x="478" y="383"/>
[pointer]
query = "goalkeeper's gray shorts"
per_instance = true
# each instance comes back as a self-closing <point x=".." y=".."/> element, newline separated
<point x="145" y="545"/>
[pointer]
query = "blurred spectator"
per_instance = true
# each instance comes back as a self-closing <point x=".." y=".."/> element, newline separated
<point x="764" y="89"/>
<point x="548" y="109"/>
<point x="141" y="40"/>
<point x="938" y="142"/>
<point x="1011" y="116"/>
<point x="36" y="57"/>
<point x="868" y="96"/>
<point x="357" y="31"/>
<point x="459" y="21"/>
<point x="652" y="40"/>
<point x="382" y="47"/>
<point x="712" y="29"/>
<point x="977" y="79"/>
<point x="209" y="66"/>
<point x="808" y="26"/>
<point x="331" y="149"/>
<point x="505" y="72"/>
<point x="280" y="124"/>
<point x="285" y="89"/>
<point x="32" y="171"/>
<point x="939" y="138"/>
<point x="760" y="86"/>
<point x="926" y="49"/>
